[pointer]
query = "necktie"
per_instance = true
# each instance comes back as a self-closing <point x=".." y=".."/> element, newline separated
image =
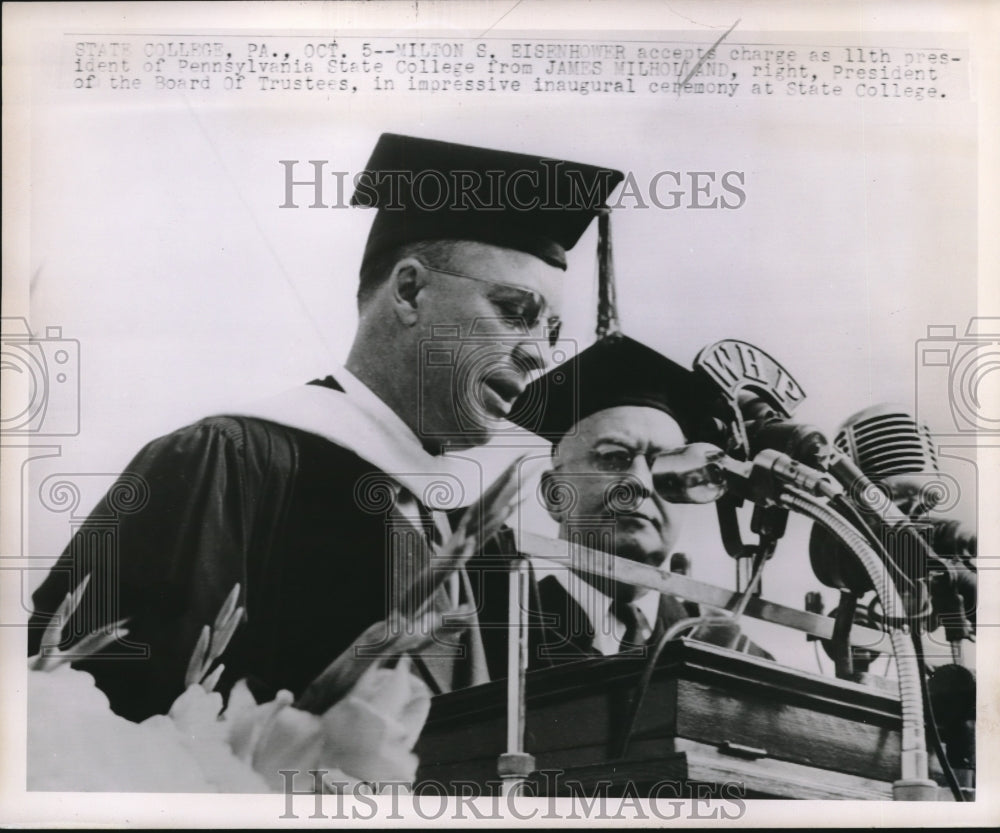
<point x="637" y="629"/>
<point x="432" y="528"/>
<point x="463" y="663"/>
<point x="437" y="531"/>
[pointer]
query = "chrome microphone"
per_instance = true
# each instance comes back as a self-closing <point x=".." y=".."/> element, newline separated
<point x="702" y="473"/>
<point x="897" y="453"/>
<point x="894" y="450"/>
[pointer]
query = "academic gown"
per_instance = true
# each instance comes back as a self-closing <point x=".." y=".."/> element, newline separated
<point x="234" y="500"/>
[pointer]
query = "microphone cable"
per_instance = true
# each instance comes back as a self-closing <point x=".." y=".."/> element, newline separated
<point x="671" y="633"/>
<point x="850" y="511"/>
<point x="932" y="729"/>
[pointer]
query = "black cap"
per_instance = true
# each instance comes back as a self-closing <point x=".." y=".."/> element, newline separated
<point x="430" y="190"/>
<point x="616" y="370"/>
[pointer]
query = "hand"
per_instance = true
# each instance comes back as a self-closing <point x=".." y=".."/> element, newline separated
<point x="369" y="734"/>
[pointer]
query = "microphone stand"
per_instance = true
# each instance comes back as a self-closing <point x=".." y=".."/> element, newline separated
<point x="914" y="784"/>
<point x="773" y="478"/>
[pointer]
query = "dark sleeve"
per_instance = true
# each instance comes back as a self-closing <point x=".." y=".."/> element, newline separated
<point x="489" y="573"/>
<point x="165" y="560"/>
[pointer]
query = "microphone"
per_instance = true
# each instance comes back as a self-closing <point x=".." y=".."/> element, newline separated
<point x="884" y="440"/>
<point x="768" y="429"/>
<point x="702" y="473"/>
<point x="896" y="452"/>
<point x="760" y="397"/>
<point x="694" y="473"/>
<point x="680" y="563"/>
<point x="893" y="449"/>
<point x="953" y="538"/>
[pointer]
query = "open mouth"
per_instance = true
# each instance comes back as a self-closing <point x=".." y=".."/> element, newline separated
<point x="494" y="404"/>
<point x="500" y="393"/>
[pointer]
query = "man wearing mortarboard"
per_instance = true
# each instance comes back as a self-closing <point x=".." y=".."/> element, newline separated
<point x="294" y="498"/>
<point x="609" y="411"/>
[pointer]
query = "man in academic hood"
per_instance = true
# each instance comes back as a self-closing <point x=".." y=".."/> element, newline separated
<point x="610" y="411"/>
<point x="299" y="498"/>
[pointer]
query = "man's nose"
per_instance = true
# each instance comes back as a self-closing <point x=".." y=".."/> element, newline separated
<point x="642" y="471"/>
<point x="635" y="486"/>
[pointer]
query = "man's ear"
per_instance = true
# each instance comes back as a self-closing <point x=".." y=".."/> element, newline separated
<point x="407" y="278"/>
<point x="557" y="494"/>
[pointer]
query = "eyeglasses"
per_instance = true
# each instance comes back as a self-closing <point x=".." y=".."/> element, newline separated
<point x="526" y="310"/>
<point x="689" y="474"/>
<point x="619" y="459"/>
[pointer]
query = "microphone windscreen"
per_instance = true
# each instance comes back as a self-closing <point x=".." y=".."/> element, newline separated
<point x="834" y="564"/>
<point x="885" y="440"/>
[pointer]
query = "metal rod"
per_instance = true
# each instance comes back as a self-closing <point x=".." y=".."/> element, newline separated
<point x="522" y="649"/>
<point x="514" y="735"/>
<point x="604" y="565"/>
<point x="514" y="766"/>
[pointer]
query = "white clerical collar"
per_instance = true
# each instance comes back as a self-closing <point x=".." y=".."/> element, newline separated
<point x="357" y="419"/>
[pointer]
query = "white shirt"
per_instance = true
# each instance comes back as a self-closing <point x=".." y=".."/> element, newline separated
<point x="608" y="629"/>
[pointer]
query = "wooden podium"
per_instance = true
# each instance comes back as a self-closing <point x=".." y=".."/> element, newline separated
<point x="710" y="717"/>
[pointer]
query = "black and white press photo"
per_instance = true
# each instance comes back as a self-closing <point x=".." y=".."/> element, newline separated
<point x="506" y="413"/>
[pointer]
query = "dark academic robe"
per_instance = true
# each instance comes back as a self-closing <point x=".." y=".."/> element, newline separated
<point x="231" y="500"/>
<point x="559" y="631"/>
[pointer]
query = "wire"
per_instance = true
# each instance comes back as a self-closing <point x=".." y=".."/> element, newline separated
<point x="930" y="722"/>
<point x="913" y="741"/>
<point x="854" y="516"/>
<point x="819" y="661"/>
<point x="647" y="672"/>
<point x="856" y="482"/>
<point x="877" y="618"/>
<point x="932" y="729"/>
<point x="760" y="558"/>
<point x="930" y="718"/>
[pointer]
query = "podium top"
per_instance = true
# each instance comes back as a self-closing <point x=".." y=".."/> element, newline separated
<point x="739" y="710"/>
<point x="689" y="660"/>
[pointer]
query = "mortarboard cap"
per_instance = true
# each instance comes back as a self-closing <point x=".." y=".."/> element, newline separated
<point x="431" y="190"/>
<point x="616" y="370"/>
